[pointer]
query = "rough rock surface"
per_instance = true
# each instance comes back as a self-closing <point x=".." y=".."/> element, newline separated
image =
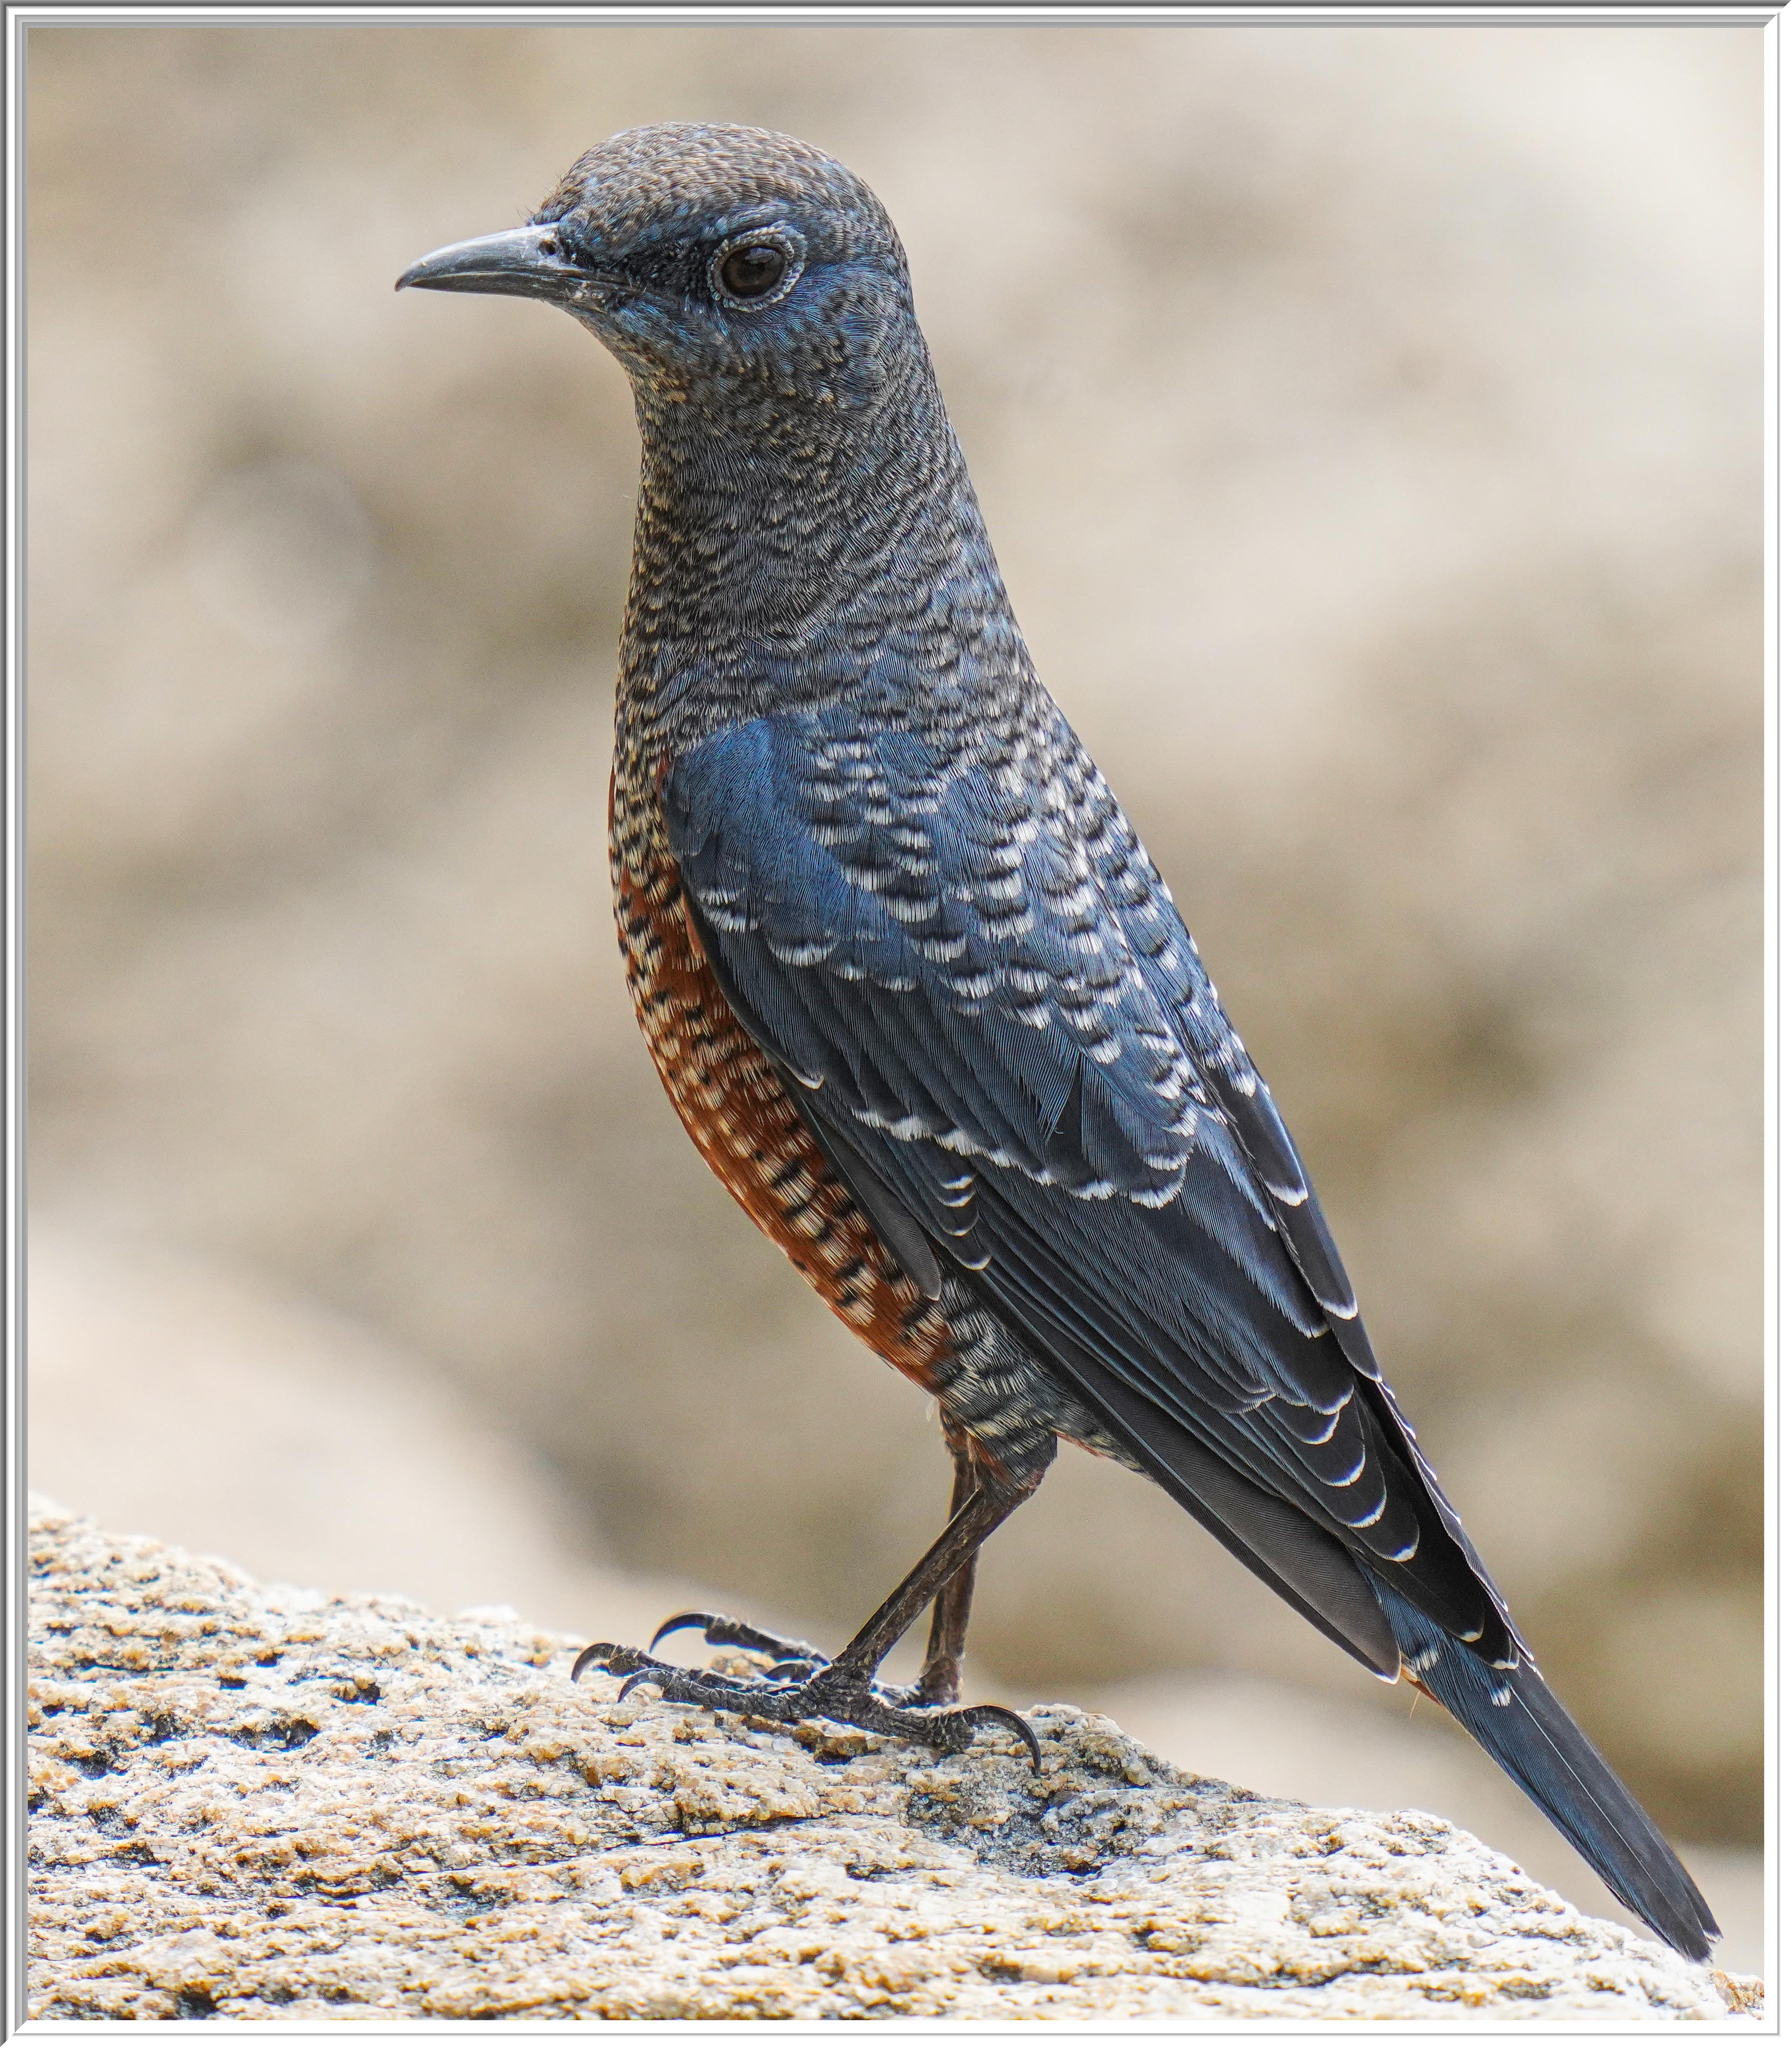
<point x="256" y="1802"/>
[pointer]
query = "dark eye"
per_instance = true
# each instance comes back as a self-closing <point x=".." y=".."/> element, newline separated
<point x="751" y="272"/>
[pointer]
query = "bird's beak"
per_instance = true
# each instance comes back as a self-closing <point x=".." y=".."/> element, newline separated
<point x="523" y="262"/>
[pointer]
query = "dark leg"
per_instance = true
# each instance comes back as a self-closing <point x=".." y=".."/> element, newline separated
<point x="941" y="1670"/>
<point x="845" y="1690"/>
<point x="944" y="1666"/>
<point x="991" y="1500"/>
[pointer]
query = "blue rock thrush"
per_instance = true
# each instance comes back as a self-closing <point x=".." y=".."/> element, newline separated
<point x="923" y="1002"/>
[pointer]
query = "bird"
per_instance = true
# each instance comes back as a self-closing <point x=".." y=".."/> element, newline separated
<point x="924" y="1004"/>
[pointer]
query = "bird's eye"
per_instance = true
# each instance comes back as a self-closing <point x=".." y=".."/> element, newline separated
<point x="752" y="271"/>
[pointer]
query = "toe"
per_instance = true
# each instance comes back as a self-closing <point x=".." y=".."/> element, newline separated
<point x="1005" y="1717"/>
<point x="727" y="1633"/>
<point x="612" y="1657"/>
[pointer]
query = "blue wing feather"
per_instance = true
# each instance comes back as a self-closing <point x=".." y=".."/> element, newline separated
<point x="980" y="981"/>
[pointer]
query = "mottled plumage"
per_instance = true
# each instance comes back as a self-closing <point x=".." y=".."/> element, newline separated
<point x="923" y="1001"/>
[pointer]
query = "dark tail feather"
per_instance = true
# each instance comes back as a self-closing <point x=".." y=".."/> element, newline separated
<point x="1527" y="1732"/>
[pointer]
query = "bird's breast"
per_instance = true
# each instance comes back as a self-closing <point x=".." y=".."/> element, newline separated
<point x="737" y="1107"/>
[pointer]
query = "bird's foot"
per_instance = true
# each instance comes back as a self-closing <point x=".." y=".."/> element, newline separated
<point x="790" y="1659"/>
<point x="937" y="1686"/>
<point x="814" y="1690"/>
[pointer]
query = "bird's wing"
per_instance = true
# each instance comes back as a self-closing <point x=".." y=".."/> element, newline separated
<point x="980" y="986"/>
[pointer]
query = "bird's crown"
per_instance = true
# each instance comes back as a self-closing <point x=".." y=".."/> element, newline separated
<point x="691" y="187"/>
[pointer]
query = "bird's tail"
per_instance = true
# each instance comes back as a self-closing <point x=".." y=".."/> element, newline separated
<point x="1528" y="1732"/>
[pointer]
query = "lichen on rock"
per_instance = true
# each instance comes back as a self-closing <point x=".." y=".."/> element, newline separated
<point x="258" y="1803"/>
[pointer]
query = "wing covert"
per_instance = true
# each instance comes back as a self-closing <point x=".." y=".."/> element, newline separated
<point x="979" y="983"/>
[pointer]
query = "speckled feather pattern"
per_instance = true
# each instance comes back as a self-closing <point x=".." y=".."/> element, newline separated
<point x="898" y="954"/>
<point x="738" y="1111"/>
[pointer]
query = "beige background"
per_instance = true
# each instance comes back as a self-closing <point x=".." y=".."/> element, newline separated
<point x="1369" y="421"/>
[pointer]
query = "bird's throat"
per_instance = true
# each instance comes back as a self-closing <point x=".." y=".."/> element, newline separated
<point x="788" y="561"/>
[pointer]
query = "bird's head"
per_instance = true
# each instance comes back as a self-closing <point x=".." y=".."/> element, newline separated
<point x="742" y="268"/>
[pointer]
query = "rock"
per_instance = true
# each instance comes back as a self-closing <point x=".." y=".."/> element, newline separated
<point x="257" y="1801"/>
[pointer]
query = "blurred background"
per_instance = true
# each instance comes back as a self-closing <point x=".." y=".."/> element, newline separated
<point x="1368" y="420"/>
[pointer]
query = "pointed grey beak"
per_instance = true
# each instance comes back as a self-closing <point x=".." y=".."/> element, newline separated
<point x="523" y="262"/>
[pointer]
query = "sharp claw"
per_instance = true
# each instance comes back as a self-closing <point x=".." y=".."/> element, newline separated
<point x="727" y="1633"/>
<point x="672" y="1625"/>
<point x="1006" y="1717"/>
<point x="598" y="1653"/>
<point x="650" y="1676"/>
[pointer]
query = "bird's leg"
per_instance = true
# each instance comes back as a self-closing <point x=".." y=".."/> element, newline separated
<point x="993" y="1497"/>
<point x="938" y="1684"/>
<point x="944" y="1666"/>
<point x="846" y="1689"/>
